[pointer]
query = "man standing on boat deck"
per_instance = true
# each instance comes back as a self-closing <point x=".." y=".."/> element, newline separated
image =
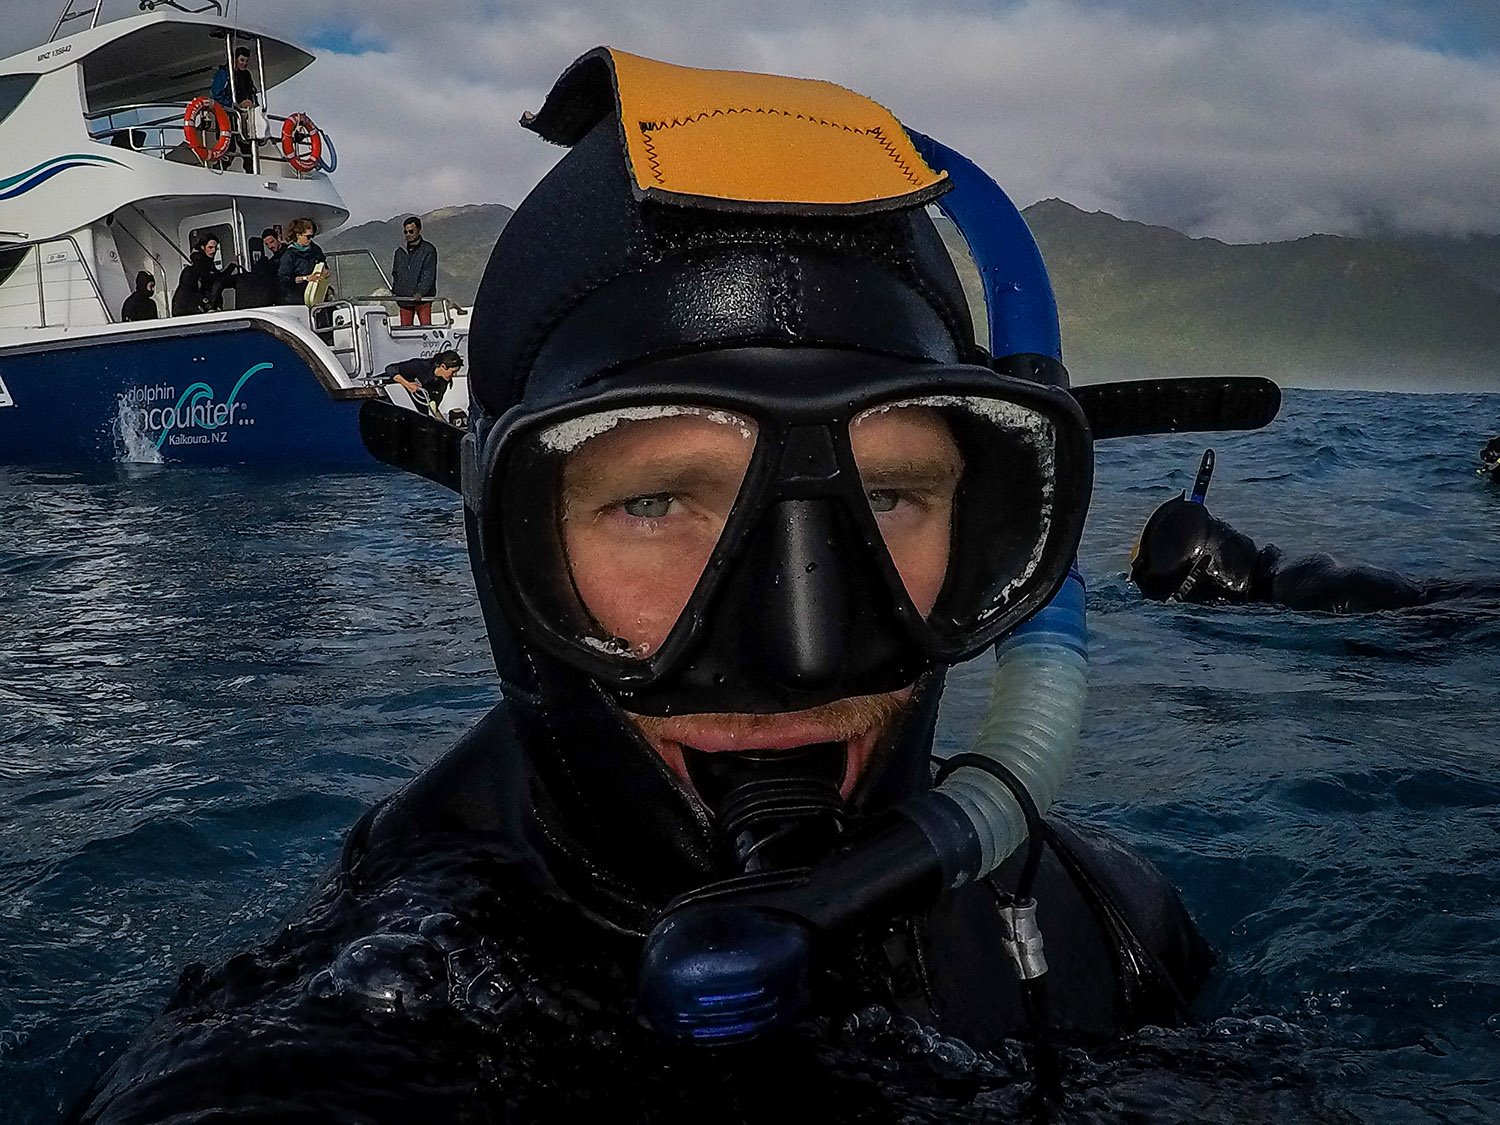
<point x="236" y="92"/>
<point x="414" y="273"/>
<point x="201" y="286"/>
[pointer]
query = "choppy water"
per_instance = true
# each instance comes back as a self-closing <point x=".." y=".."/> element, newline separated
<point x="204" y="676"/>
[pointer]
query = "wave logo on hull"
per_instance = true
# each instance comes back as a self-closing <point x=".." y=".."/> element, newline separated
<point x="196" y="408"/>
<point x="22" y="182"/>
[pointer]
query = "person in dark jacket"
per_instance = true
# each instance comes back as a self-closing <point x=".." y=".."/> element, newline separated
<point x="201" y="285"/>
<point x="261" y="284"/>
<point x="141" y="304"/>
<point x="298" y="261"/>
<point x="414" y="273"/>
<point x="1186" y="554"/>
<point x="236" y="91"/>
<point x="728" y="536"/>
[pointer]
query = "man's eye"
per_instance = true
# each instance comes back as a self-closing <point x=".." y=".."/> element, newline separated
<point x="882" y="500"/>
<point x="648" y="507"/>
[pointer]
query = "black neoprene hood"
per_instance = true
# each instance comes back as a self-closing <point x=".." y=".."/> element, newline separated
<point x="592" y="286"/>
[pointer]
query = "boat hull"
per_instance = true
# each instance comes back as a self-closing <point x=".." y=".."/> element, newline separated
<point x="234" y="394"/>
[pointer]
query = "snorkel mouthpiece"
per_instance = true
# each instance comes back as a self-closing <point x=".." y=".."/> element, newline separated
<point x="735" y="960"/>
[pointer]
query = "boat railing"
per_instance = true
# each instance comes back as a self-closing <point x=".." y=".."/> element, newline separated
<point x="71" y="12"/>
<point x="41" y="261"/>
<point x="160" y="129"/>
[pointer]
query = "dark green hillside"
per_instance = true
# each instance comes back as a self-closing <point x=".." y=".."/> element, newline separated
<point x="1137" y="300"/>
<point x="464" y="237"/>
<point x="1476" y="256"/>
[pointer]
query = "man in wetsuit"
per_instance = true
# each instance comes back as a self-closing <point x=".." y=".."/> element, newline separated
<point x="740" y="486"/>
<point x="201" y="285"/>
<point x="1185" y="554"/>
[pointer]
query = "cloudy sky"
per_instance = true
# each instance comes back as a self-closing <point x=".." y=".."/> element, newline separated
<point x="1244" y="122"/>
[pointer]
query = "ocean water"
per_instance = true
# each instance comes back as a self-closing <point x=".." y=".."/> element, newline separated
<point x="205" y="676"/>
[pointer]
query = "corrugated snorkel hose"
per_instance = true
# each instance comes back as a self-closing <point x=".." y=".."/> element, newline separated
<point x="1031" y="728"/>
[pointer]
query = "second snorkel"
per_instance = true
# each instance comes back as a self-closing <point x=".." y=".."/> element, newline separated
<point x="733" y="961"/>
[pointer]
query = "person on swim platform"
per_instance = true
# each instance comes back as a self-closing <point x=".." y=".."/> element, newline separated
<point x="740" y="486"/>
<point x="427" y="379"/>
<point x="1185" y="554"/>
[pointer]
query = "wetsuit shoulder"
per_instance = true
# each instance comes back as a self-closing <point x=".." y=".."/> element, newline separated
<point x="1121" y="949"/>
<point x="1164" y="958"/>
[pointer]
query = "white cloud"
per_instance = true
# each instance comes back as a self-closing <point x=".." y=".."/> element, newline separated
<point x="1264" y="124"/>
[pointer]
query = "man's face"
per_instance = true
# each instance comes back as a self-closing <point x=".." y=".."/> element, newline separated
<point x="644" y="505"/>
<point x="211" y="248"/>
<point x="241" y="62"/>
<point x="445" y="372"/>
<point x="413" y="234"/>
<point x="271" y="243"/>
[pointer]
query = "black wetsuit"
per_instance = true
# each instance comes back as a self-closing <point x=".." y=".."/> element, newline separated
<point x="422" y="371"/>
<point x="139" y="306"/>
<point x="261" y="285"/>
<point x="200" y="287"/>
<point x="1321" y="582"/>
<point x="516" y="985"/>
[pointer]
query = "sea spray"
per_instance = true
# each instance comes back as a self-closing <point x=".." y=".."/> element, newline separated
<point x="132" y="444"/>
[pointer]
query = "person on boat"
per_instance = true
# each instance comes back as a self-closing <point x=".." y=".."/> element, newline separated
<point x="201" y="285"/>
<point x="261" y="284"/>
<point x="427" y="378"/>
<point x="141" y="304"/>
<point x="1186" y="554"/>
<point x="740" y="488"/>
<point x="236" y="91"/>
<point x="298" y="261"/>
<point x="414" y="273"/>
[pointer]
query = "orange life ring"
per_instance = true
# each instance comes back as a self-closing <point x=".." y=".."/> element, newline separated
<point x="202" y="112"/>
<point x="300" y="127"/>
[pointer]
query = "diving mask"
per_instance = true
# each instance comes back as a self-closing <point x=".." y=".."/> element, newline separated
<point x="849" y="519"/>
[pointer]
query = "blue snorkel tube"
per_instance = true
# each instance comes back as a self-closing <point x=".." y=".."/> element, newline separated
<point x="733" y="961"/>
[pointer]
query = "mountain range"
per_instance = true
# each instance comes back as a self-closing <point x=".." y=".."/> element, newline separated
<point x="1418" y="313"/>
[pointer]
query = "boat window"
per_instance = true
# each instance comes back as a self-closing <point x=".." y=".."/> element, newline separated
<point x="10" y="259"/>
<point x="13" y="91"/>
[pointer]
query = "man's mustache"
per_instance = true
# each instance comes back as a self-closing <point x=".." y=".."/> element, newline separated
<point x="839" y="721"/>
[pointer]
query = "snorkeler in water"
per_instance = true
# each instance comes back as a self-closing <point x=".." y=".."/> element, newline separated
<point x="1489" y="460"/>
<point x="1185" y="554"/>
<point x="740" y="487"/>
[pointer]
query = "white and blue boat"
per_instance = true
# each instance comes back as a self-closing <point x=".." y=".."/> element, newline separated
<point x="110" y="164"/>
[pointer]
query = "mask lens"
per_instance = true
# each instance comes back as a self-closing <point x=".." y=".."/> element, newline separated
<point x="620" y="514"/>
<point x="962" y="489"/>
